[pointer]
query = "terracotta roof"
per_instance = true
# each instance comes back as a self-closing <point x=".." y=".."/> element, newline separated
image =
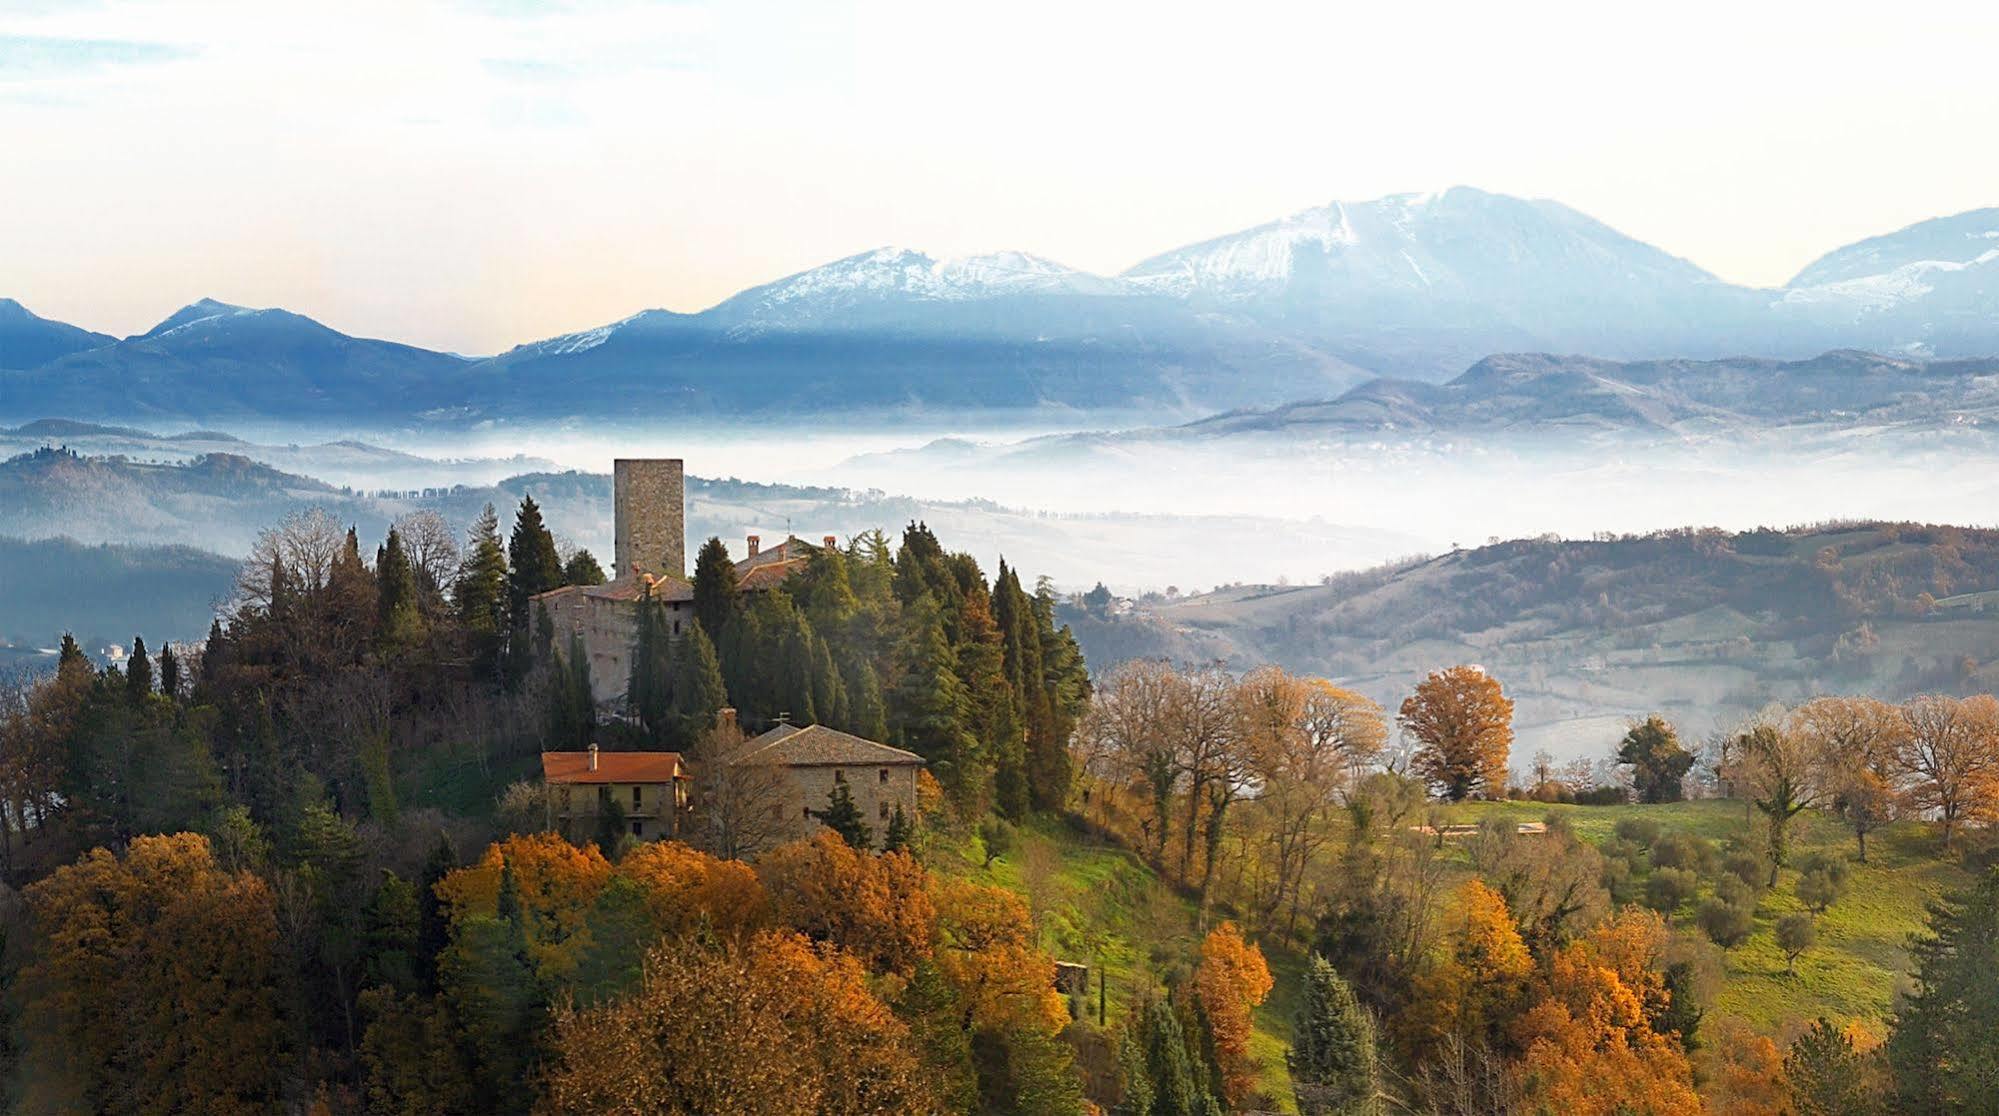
<point x="793" y="549"/>
<point x="612" y="767"/>
<point x="817" y="745"/>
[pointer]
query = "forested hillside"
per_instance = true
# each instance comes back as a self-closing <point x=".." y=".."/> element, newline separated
<point x="1706" y="626"/>
<point x="105" y="593"/>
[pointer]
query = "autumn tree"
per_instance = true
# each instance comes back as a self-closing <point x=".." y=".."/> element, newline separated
<point x="769" y="1026"/>
<point x="1462" y="723"/>
<point x="155" y="985"/>
<point x="1950" y="751"/>
<point x="1230" y="980"/>
<point x="1859" y="741"/>
<point x="1782" y="777"/>
<point x="1302" y="768"/>
<point x="876" y="907"/>
<point x="1658" y="763"/>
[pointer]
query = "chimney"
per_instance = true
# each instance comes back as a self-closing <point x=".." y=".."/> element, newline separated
<point x="725" y="717"/>
<point x="755" y="542"/>
<point x="649" y="512"/>
<point x="593" y="755"/>
<point x="832" y="542"/>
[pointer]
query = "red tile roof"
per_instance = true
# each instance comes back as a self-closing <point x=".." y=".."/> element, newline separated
<point x="612" y="767"/>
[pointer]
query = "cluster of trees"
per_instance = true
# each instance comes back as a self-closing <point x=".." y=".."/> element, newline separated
<point x="347" y="724"/>
<point x="914" y="648"/>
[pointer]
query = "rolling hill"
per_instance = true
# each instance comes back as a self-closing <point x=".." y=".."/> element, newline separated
<point x="1703" y="626"/>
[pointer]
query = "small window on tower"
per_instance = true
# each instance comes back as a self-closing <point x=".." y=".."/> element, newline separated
<point x="884" y="775"/>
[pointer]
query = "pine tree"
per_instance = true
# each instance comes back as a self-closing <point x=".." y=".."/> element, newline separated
<point x="71" y="653"/>
<point x="572" y="710"/>
<point x="1945" y="1045"/>
<point x="481" y="594"/>
<point x="1333" y="1057"/>
<point x="536" y="567"/>
<point x="138" y="673"/>
<point x="716" y="598"/>
<point x="992" y="706"/>
<point x="844" y="818"/>
<point x="169" y="673"/>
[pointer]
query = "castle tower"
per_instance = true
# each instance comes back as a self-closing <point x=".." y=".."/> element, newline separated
<point x="649" y="505"/>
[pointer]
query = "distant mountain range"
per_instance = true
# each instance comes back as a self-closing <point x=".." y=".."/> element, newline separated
<point x="1411" y="286"/>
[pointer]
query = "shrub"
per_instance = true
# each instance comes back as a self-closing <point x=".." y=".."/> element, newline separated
<point x="1736" y="893"/>
<point x="1669" y="888"/>
<point x="1795" y="934"/>
<point x="1724" y="922"/>
<point x="1684" y="850"/>
<point x="1820" y="884"/>
<point x="1747" y="866"/>
<point x="1638" y="831"/>
<point x="1609" y="794"/>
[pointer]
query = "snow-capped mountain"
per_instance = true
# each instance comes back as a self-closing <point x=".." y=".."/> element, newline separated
<point x="28" y="340"/>
<point x="1415" y="286"/>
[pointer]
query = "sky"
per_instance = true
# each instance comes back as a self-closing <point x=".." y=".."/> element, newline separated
<point x="469" y="176"/>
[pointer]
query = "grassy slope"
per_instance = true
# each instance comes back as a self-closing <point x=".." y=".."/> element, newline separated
<point x="1100" y="904"/>
<point x="1856" y="969"/>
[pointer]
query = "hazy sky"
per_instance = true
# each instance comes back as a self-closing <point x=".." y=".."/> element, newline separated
<point x="468" y="176"/>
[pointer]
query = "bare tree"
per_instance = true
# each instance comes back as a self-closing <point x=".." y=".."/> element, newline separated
<point x="301" y="549"/>
<point x="431" y="546"/>
<point x="739" y="804"/>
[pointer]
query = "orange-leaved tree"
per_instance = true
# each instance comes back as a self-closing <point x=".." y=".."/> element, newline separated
<point x="1231" y="979"/>
<point x="155" y="985"/>
<point x="773" y="1025"/>
<point x="876" y="907"/>
<point x="1462" y="722"/>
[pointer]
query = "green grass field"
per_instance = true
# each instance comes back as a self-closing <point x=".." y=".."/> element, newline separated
<point x="1099" y="904"/>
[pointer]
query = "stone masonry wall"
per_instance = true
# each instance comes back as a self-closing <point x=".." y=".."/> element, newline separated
<point x="650" y="511"/>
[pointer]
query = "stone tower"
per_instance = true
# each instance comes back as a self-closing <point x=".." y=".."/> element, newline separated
<point x="649" y="505"/>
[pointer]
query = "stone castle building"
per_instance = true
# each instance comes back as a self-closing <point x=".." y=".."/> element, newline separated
<point x="811" y="761"/>
<point x="649" y="510"/>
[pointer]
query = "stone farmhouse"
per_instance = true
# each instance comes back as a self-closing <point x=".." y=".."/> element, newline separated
<point x="814" y="759"/>
<point x="649" y="788"/>
<point x="650" y="564"/>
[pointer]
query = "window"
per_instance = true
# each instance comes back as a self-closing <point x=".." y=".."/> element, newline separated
<point x="638" y="829"/>
<point x="638" y="797"/>
<point x="806" y="813"/>
<point x="839" y="776"/>
<point x="676" y="627"/>
<point x="884" y="775"/>
<point x="565" y="798"/>
<point x="603" y="798"/>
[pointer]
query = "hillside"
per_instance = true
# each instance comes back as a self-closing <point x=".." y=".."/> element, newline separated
<point x="107" y="594"/>
<point x="1704" y="627"/>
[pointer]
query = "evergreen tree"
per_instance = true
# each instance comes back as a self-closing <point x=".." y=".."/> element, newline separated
<point x="582" y="569"/>
<point x="926" y="707"/>
<point x="716" y="598"/>
<point x="71" y="653"/>
<point x="844" y="818"/>
<point x="1658" y="762"/>
<point x="531" y="556"/>
<point x="433" y="925"/>
<point x="992" y="706"/>
<point x="900" y="832"/>
<point x="1167" y="1067"/>
<point x="1945" y="1045"/>
<point x="698" y="693"/>
<point x="649" y="687"/>
<point x="169" y="673"/>
<point x="481" y="593"/>
<point x="1046" y="758"/>
<point x="1827" y="1076"/>
<point x="1332" y="1058"/>
<point x="398" y="604"/>
<point x="138" y="672"/>
<point x="489" y="980"/>
<point x="572" y="711"/>
<point x="350" y="603"/>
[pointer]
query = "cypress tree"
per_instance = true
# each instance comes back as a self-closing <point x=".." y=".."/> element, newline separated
<point x="1332" y="1058"/>
<point x="138" y="672"/>
<point x="1944" y="1049"/>
<point x="716" y="597"/>
<point x="169" y="673"/>
<point x="71" y="653"/>
<point x="926" y="707"/>
<point x="531" y="556"/>
<point x="397" y="606"/>
<point x="649" y="687"/>
<point x="698" y="693"/>
<point x="899" y="832"/>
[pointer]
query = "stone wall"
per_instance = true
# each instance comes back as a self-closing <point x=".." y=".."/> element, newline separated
<point x="650" y="512"/>
<point x="807" y="790"/>
<point x="609" y="627"/>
